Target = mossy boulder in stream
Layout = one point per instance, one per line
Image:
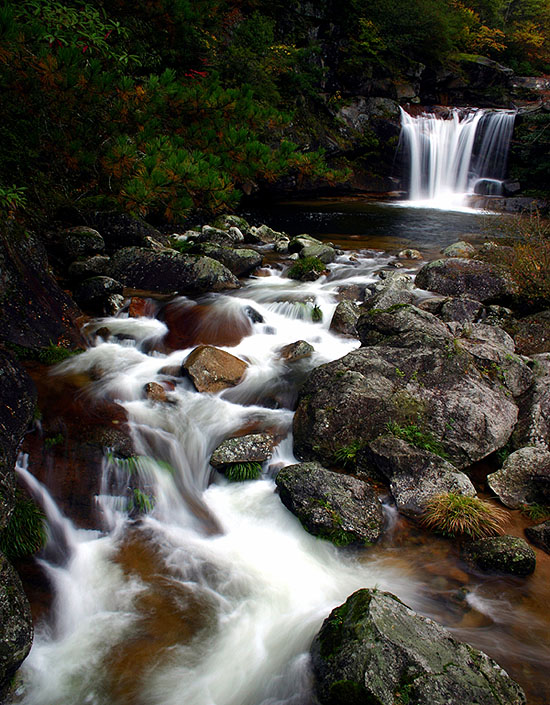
(342, 509)
(374, 650)
(456, 276)
(501, 554)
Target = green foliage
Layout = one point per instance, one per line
(306, 266)
(535, 512)
(416, 436)
(347, 455)
(240, 472)
(182, 246)
(316, 314)
(458, 515)
(12, 198)
(52, 355)
(140, 503)
(25, 532)
(52, 441)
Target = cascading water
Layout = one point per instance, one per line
(214, 596)
(449, 156)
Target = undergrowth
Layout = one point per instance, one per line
(240, 472)
(453, 514)
(416, 436)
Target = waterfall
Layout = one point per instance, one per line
(450, 157)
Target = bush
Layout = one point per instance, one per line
(458, 515)
(25, 532)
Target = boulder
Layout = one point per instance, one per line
(344, 319)
(298, 243)
(524, 478)
(231, 236)
(336, 507)
(415, 475)
(540, 535)
(374, 650)
(255, 447)
(212, 369)
(460, 249)
(16, 629)
(458, 276)
(533, 427)
(169, 271)
(461, 309)
(155, 391)
(296, 351)
(402, 325)
(501, 554)
(120, 230)
(395, 289)
(264, 235)
(80, 242)
(95, 266)
(239, 261)
(409, 253)
(325, 253)
(228, 220)
(101, 296)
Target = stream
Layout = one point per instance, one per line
(214, 595)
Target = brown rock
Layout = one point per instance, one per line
(212, 369)
(155, 391)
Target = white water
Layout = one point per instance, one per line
(230, 553)
(449, 156)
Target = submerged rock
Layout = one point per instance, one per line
(457, 276)
(255, 447)
(335, 507)
(524, 478)
(374, 650)
(213, 370)
(501, 554)
(415, 475)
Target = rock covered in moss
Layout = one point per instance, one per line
(296, 351)
(501, 554)
(122, 230)
(252, 448)
(345, 317)
(456, 276)
(540, 535)
(460, 249)
(524, 478)
(394, 289)
(336, 507)
(240, 261)
(415, 475)
(374, 650)
(16, 630)
(213, 370)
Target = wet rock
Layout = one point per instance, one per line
(212, 369)
(323, 252)
(16, 629)
(344, 319)
(524, 478)
(415, 475)
(122, 230)
(169, 271)
(95, 266)
(395, 289)
(80, 242)
(298, 243)
(239, 261)
(98, 295)
(232, 236)
(540, 535)
(296, 351)
(409, 254)
(533, 427)
(255, 447)
(403, 326)
(336, 507)
(501, 554)
(460, 249)
(458, 276)
(155, 391)
(374, 649)
(265, 235)
(461, 309)
(228, 220)
(255, 316)
(532, 333)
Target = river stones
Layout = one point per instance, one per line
(540, 535)
(524, 478)
(239, 261)
(415, 475)
(212, 369)
(394, 289)
(229, 236)
(296, 351)
(457, 275)
(345, 316)
(16, 630)
(122, 230)
(335, 507)
(253, 448)
(460, 249)
(100, 295)
(501, 554)
(374, 649)
(168, 271)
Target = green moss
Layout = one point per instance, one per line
(25, 532)
(306, 266)
(52, 441)
(416, 436)
(51, 355)
(348, 692)
(140, 503)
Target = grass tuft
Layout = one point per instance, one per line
(458, 515)
(416, 436)
(240, 472)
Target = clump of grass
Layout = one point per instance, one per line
(416, 436)
(453, 514)
(240, 472)
(140, 503)
(25, 532)
(316, 314)
(347, 455)
(306, 268)
(535, 512)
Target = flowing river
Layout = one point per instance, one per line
(214, 595)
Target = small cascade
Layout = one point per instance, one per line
(452, 156)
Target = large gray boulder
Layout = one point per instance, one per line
(336, 507)
(540, 535)
(415, 475)
(374, 650)
(394, 288)
(501, 554)
(345, 317)
(524, 478)
(169, 271)
(413, 370)
(254, 447)
(457, 276)
(533, 427)
(240, 261)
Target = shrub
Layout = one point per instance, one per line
(458, 515)
(240, 472)
(25, 532)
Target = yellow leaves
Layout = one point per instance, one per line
(532, 38)
(487, 40)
